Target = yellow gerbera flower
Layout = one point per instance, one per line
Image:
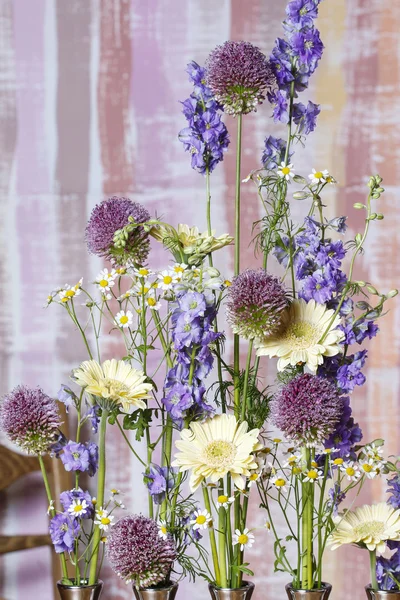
(114, 380)
(303, 336)
(216, 447)
(369, 525)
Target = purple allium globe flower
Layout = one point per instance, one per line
(256, 300)
(64, 530)
(30, 419)
(239, 76)
(307, 409)
(108, 218)
(138, 554)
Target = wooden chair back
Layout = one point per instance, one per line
(13, 467)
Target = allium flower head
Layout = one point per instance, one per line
(239, 76)
(108, 219)
(256, 300)
(137, 553)
(307, 409)
(30, 419)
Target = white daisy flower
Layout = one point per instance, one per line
(351, 470)
(115, 492)
(78, 508)
(369, 468)
(285, 171)
(312, 475)
(105, 279)
(103, 519)
(69, 292)
(253, 478)
(225, 501)
(267, 526)
(162, 530)
(167, 279)
(280, 482)
(329, 451)
(142, 272)
(245, 539)
(293, 460)
(179, 269)
(373, 451)
(202, 520)
(152, 302)
(318, 176)
(124, 319)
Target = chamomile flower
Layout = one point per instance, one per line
(224, 500)
(267, 526)
(280, 483)
(293, 460)
(77, 508)
(285, 171)
(338, 461)
(69, 292)
(201, 520)
(103, 519)
(369, 468)
(162, 530)
(142, 272)
(245, 538)
(329, 451)
(124, 319)
(105, 279)
(318, 176)
(167, 279)
(312, 475)
(179, 269)
(115, 492)
(253, 478)
(374, 452)
(351, 470)
(126, 295)
(152, 302)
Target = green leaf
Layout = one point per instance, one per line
(143, 348)
(112, 418)
(138, 421)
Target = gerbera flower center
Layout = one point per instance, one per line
(219, 454)
(370, 529)
(243, 539)
(111, 388)
(302, 334)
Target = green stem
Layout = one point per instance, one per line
(213, 543)
(246, 379)
(321, 545)
(222, 517)
(101, 477)
(75, 319)
(307, 527)
(149, 459)
(372, 562)
(129, 444)
(236, 350)
(52, 513)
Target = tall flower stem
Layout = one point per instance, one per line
(321, 545)
(222, 518)
(213, 543)
(372, 562)
(307, 582)
(101, 478)
(236, 350)
(246, 380)
(52, 513)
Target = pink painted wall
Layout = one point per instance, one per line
(89, 107)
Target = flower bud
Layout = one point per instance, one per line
(392, 293)
(299, 179)
(380, 217)
(359, 205)
(372, 290)
(360, 283)
(301, 195)
(359, 238)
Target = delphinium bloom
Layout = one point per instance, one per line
(108, 220)
(256, 300)
(388, 571)
(346, 435)
(216, 447)
(192, 334)
(307, 409)
(30, 419)
(64, 531)
(138, 554)
(206, 137)
(394, 491)
(160, 480)
(240, 76)
(115, 383)
(80, 457)
(308, 334)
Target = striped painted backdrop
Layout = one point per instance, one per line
(89, 93)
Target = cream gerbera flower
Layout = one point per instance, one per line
(369, 525)
(301, 337)
(216, 447)
(114, 380)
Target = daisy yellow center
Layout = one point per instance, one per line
(338, 461)
(312, 474)
(124, 320)
(374, 529)
(253, 477)
(296, 470)
(167, 279)
(143, 272)
(114, 491)
(350, 471)
(105, 521)
(103, 283)
(222, 499)
(277, 440)
(280, 482)
(367, 468)
(178, 269)
(163, 529)
(151, 301)
(318, 175)
(227, 283)
(78, 508)
(314, 464)
(292, 460)
(302, 334)
(201, 519)
(243, 539)
(111, 388)
(285, 170)
(145, 289)
(70, 293)
(219, 454)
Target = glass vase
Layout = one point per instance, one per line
(81, 592)
(381, 594)
(164, 593)
(243, 593)
(320, 594)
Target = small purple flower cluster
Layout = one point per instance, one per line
(385, 568)
(394, 491)
(206, 138)
(192, 334)
(293, 61)
(346, 434)
(345, 371)
(65, 528)
(335, 498)
(80, 457)
(159, 481)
